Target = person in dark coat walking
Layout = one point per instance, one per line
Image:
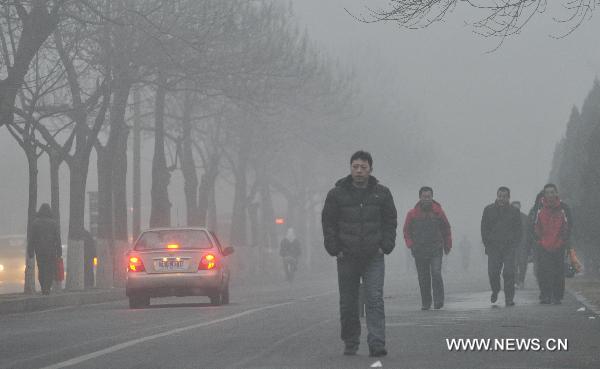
(359, 226)
(501, 232)
(523, 252)
(552, 228)
(44, 243)
(427, 235)
(290, 253)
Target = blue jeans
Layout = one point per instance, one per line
(372, 271)
(429, 270)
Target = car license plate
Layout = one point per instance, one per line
(169, 264)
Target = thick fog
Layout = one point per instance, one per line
(439, 106)
(492, 118)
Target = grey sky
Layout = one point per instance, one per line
(494, 117)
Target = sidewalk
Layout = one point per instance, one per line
(22, 303)
(586, 290)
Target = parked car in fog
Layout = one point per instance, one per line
(177, 262)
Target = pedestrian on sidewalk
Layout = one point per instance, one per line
(359, 226)
(501, 232)
(428, 236)
(523, 251)
(553, 225)
(44, 243)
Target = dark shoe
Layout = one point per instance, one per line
(439, 305)
(350, 350)
(510, 303)
(494, 297)
(425, 307)
(544, 301)
(377, 351)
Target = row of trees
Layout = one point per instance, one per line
(576, 171)
(232, 88)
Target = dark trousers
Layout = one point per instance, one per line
(521, 264)
(551, 274)
(46, 271)
(372, 271)
(429, 271)
(502, 259)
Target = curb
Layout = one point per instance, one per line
(24, 303)
(583, 300)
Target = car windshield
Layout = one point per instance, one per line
(180, 239)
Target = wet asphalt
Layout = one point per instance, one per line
(272, 324)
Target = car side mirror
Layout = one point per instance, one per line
(227, 251)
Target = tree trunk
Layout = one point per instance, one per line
(160, 215)
(212, 221)
(78, 179)
(207, 188)
(119, 181)
(29, 287)
(137, 168)
(188, 166)
(55, 162)
(268, 216)
(104, 243)
(238, 216)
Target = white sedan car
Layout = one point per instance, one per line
(177, 262)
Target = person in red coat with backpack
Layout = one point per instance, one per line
(427, 235)
(552, 229)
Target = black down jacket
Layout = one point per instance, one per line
(359, 221)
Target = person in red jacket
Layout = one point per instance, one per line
(427, 234)
(552, 229)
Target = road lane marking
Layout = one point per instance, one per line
(124, 345)
(273, 346)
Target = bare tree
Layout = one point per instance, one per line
(498, 18)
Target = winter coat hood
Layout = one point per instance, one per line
(45, 211)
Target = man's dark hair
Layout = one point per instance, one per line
(503, 189)
(425, 189)
(362, 155)
(550, 185)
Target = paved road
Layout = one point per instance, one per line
(278, 326)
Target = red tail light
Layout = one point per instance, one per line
(135, 264)
(208, 261)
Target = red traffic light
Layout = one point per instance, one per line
(279, 221)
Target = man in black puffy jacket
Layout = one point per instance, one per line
(501, 232)
(359, 226)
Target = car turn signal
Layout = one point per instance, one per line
(135, 264)
(208, 262)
